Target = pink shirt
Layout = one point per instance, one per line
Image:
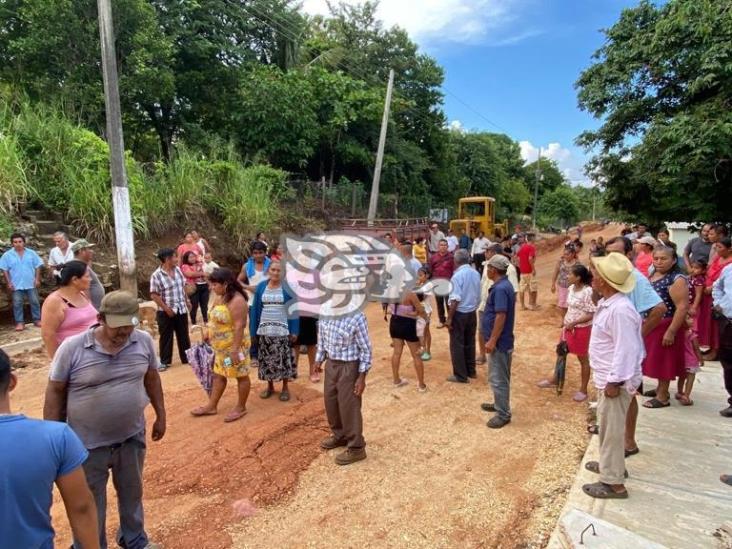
(616, 344)
(643, 262)
(76, 320)
(579, 303)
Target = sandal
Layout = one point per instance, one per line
(579, 396)
(593, 429)
(727, 479)
(685, 401)
(679, 396)
(201, 411)
(545, 384)
(632, 452)
(285, 396)
(233, 416)
(594, 467)
(422, 389)
(402, 383)
(650, 393)
(600, 490)
(655, 403)
(266, 393)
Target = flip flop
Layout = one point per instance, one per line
(201, 411)
(284, 396)
(727, 479)
(579, 396)
(649, 393)
(233, 416)
(402, 383)
(686, 401)
(594, 467)
(655, 403)
(593, 429)
(545, 384)
(600, 490)
(679, 396)
(632, 452)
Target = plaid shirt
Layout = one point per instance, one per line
(345, 338)
(171, 289)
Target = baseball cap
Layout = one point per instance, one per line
(120, 309)
(499, 262)
(80, 245)
(647, 240)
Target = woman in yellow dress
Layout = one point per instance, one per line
(229, 338)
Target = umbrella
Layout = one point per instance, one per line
(561, 365)
(201, 358)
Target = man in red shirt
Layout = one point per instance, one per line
(442, 265)
(527, 267)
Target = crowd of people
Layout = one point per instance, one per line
(622, 316)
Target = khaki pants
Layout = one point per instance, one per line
(611, 412)
(342, 407)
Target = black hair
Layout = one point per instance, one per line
(627, 244)
(258, 246)
(165, 253)
(725, 241)
(5, 370)
(260, 233)
(674, 256)
(583, 273)
(720, 228)
(701, 262)
(578, 244)
(419, 240)
(443, 240)
(425, 270)
(231, 284)
(17, 235)
(184, 259)
(72, 269)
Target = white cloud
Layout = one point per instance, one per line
(456, 126)
(569, 163)
(462, 21)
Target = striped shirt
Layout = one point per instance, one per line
(345, 338)
(170, 289)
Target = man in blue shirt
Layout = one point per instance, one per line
(461, 319)
(498, 320)
(34, 455)
(722, 296)
(22, 269)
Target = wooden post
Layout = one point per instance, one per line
(124, 235)
(374, 201)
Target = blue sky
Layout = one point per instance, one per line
(513, 61)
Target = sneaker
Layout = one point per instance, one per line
(488, 407)
(350, 456)
(497, 422)
(455, 379)
(426, 356)
(727, 412)
(331, 442)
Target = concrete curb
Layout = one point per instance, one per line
(23, 346)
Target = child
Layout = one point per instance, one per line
(697, 281)
(275, 254)
(419, 250)
(423, 326)
(693, 361)
(209, 264)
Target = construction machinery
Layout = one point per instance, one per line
(476, 214)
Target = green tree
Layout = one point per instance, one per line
(662, 86)
(559, 206)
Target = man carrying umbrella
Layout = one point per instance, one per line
(498, 320)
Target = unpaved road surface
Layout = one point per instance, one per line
(436, 476)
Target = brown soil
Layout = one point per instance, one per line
(435, 475)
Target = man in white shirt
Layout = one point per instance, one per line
(616, 353)
(452, 241)
(480, 245)
(60, 254)
(434, 239)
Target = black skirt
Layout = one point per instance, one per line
(308, 331)
(402, 327)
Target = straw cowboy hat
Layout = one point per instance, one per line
(616, 270)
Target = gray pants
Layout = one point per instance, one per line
(611, 413)
(499, 377)
(126, 461)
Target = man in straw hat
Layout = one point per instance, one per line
(616, 352)
(100, 383)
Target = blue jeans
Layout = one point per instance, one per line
(18, 301)
(500, 380)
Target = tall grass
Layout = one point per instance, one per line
(14, 185)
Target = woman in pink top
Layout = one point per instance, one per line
(189, 245)
(67, 311)
(644, 254)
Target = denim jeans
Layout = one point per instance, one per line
(500, 380)
(18, 301)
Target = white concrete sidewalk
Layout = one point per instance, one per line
(676, 497)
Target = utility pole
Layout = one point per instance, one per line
(374, 201)
(536, 189)
(124, 235)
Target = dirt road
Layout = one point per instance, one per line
(436, 476)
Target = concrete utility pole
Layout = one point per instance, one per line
(120, 193)
(536, 189)
(374, 201)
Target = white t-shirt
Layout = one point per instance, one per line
(57, 257)
(452, 243)
(480, 245)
